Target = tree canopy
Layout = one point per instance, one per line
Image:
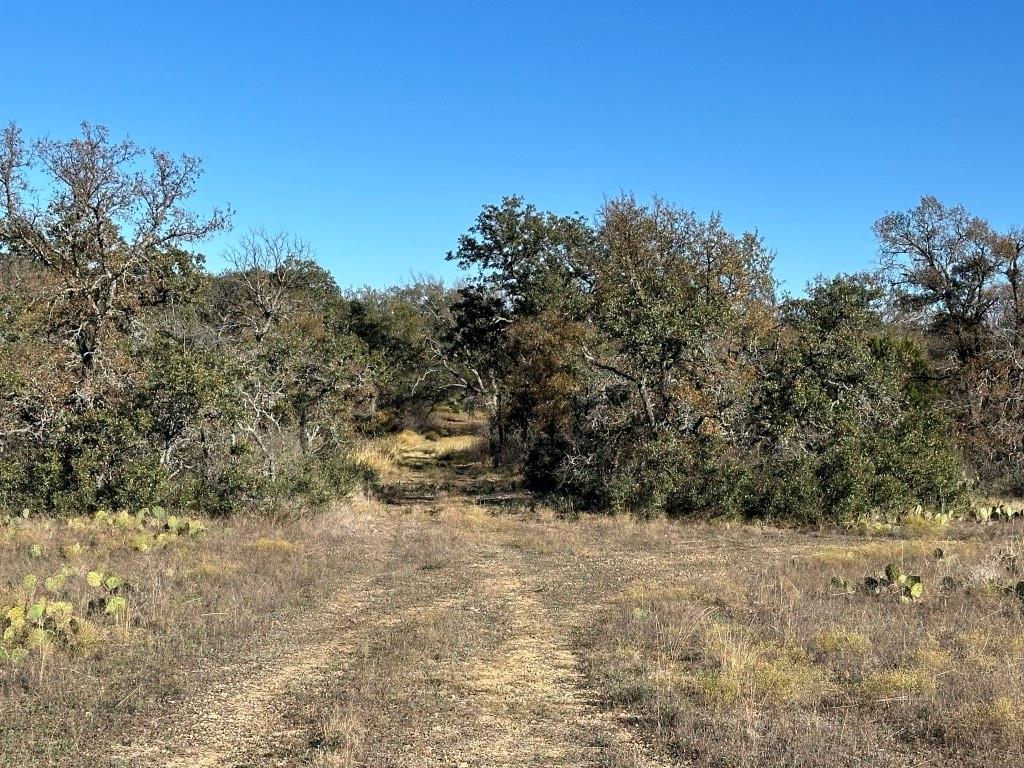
(638, 359)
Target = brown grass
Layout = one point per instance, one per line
(189, 605)
(394, 456)
(758, 660)
(522, 638)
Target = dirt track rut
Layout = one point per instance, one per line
(519, 702)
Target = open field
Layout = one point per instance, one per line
(445, 632)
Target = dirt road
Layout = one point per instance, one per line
(456, 646)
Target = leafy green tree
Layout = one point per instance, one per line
(405, 331)
(525, 268)
(93, 254)
(678, 309)
(610, 341)
(107, 236)
(848, 421)
(945, 267)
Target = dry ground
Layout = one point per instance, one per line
(440, 632)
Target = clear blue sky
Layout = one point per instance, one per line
(376, 130)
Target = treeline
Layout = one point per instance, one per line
(130, 375)
(641, 359)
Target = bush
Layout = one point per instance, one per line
(317, 481)
(679, 476)
(852, 428)
(841, 424)
(92, 459)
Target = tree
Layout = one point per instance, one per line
(405, 331)
(945, 266)
(680, 310)
(846, 420)
(608, 341)
(679, 302)
(525, 268)
(957, 281)
(299, 369)
(107, 235)
(91, 256)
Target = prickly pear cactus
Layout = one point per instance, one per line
(894, 574)
(912, 587)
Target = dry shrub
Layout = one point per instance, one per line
(378, 455)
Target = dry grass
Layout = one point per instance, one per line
(188, 604)
(723, 646)
(394, 456)
(462, 636)
(757, 659)
(379, 455)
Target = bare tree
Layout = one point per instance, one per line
(296, 365)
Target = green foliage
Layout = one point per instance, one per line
(131, 375)
(56, 582)
(61, 473)
(849, 429)
(841, 585)
(639, 360)
(912, 587)
(116, 606)
(1001, 512)
(681, 475)
(401, 331)
(638, 366)
(318, 481)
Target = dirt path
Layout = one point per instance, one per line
(454, 647)
(525, 704)
(515, 700)
(237, 721)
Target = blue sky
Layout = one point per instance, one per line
(377, 130)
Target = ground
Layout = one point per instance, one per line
(442, 619)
